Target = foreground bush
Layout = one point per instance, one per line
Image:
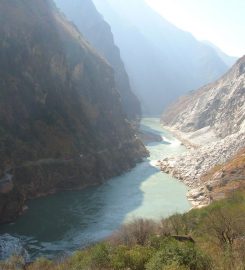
(183, 255)
(15, 262)
(137, 232)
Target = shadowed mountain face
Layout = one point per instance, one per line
(61, 122)
(162, 61)
(93, 27)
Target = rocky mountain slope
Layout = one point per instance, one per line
(61, 122)
(163, 62)
(224, 179)
(218, 107)
(98, 32)
(212, 119)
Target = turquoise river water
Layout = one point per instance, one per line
(66, 221)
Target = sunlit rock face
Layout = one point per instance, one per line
(212, 118)
(98, 32)
(162, 61)
(219, 106)
(61, 121)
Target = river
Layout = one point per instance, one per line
(69, 220)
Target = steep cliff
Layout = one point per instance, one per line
(162, 61)
(61, 122)
(213, 120)
(217, 107)
(91, 24)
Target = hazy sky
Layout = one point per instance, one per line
(220, 21)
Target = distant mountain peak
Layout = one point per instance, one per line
(228, 59)
(162, 61)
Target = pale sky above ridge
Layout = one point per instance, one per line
(221, 22)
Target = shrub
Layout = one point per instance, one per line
(139, 256)
(13, 263)
(96, 257)
(137, 232)
(42, 264)
(174, 266)
(182, 254)
(224, 226)
(100, 255)
(120, 259)
(176, 224)
(133, 258)
(80, 260)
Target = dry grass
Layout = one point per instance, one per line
(137, 232)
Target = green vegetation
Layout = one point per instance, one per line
(202, 239)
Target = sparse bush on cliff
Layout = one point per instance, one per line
(137, 232)
(176, 224)
(42, 263)
(14, 263)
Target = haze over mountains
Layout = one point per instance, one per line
(66, 95)
(65, 91)
(162, 61)
(81, 84)
(227, 59)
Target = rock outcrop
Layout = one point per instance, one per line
(191, 166)
(219, 106)
(91, 24)
(213, 120)
(61, 121)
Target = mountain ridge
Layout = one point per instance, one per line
(90, 23)
(163, 62)
(62, 124)
(211, 105)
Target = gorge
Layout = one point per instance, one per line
(80, 218)
(114, 119)
(62, 124)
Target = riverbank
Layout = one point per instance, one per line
(81, 218)
(205, 151)
(173, 243)
(149, 137)
(181, 137)
(42, 177)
